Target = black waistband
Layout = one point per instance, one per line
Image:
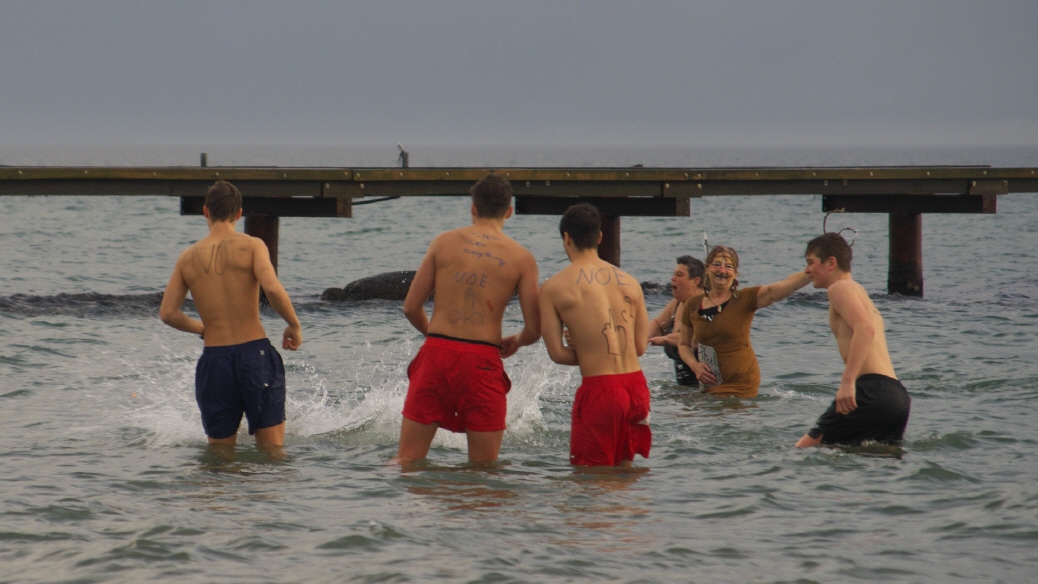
(439, 336)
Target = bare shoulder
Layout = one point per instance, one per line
(557, 282)
(845, 293)
(447, 239)
(629, 283)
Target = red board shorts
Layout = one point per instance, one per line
(458, 384)
(610, 420)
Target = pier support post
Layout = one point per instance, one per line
(609, 248)
(265, 227)
(905, 271)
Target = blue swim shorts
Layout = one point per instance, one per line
(231, 380)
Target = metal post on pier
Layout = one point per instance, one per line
(609, 247)
(905, 271)
(265, 227)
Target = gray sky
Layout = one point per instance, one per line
(535, 73)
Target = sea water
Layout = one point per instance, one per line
(106, 475)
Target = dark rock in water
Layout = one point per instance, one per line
(86, 304)
(387, 286)
(335, 294)
(655, 288)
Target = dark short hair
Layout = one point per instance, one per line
(223, 200)
(695, 267)
(722, 250)
(831, 245)
(492, 196)
(583, 223)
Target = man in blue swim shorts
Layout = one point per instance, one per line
(871, 404)
(239, 371)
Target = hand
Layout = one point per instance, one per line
(509, 345)
(291, 338)
(703, 374)
(658, 341)
(846, 401)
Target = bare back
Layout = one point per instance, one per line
(848, 301)
(604, 309)
(222, 274)
(474, 273)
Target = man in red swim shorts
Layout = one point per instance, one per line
(603, 308)
(457, 380)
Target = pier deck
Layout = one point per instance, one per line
(905, 193)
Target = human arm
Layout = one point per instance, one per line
(263, 269)
(845, 302)
(807, 441)
(529, 304)
(421, 288)
(172, 299)
(701, 370)
(768, 295)
(661, 323)
(551, 329)
(641, 327)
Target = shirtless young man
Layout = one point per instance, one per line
(239, 371)
(457, 380)
(603, 308)
(665, 329)
(871, 404)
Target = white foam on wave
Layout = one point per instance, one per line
(366, 396)
(358, 395)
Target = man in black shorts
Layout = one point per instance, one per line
(239, 371)
(871, 404)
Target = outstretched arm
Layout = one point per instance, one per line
(551, 328)
(660, 323)
(292, 337)
(846, 303)
(529, 304)
(767, 295)
(172, 299)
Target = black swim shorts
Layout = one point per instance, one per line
(881, 415)
(248, 378)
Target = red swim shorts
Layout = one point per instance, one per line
(460, 385)
(610, 420)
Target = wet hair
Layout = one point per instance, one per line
(223, 201)
(695, 268)
(715, 252)
(492, 196)
(583, 223)
(831, 245)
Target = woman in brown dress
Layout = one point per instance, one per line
(719, 320)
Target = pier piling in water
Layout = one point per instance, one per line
(905, 193)
(265, 227)
(905, 270)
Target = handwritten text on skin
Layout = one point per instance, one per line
(472, 279)
(475, 242)
(602, 276)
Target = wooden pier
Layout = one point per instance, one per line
(904, 193)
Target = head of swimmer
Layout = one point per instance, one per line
(828, 257)
(222, 203)
(687, 278)
(722, 268)
(492, 198)
(580, 228)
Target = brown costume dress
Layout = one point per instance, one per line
(729, 334)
